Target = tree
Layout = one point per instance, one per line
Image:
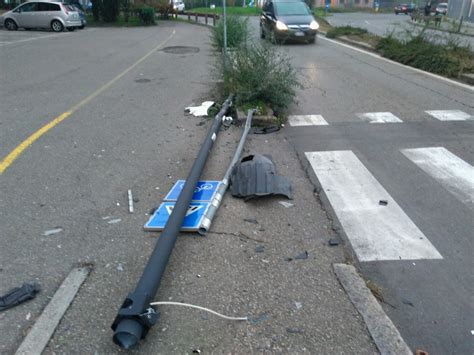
(110, 10)
(96, 9)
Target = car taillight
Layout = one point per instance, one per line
(65, 9)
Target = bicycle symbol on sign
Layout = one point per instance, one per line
(199, 188)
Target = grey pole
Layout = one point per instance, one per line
(225, 33)
(136, 316)
(224, 184)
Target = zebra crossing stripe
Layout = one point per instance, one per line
(456, 175)
(376, 231)
(379, 117)
(450, 115)
(307, 120)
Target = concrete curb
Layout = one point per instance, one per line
(361, 45)
(44, 328)
(385, 334)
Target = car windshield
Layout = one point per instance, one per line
(291, 8)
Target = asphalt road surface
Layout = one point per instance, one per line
(392, 152)
(400, 188)
(104, 112)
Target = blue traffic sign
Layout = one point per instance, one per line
(192, 220)
(204, 191)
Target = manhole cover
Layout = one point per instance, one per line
(180, 50)
(142, 80)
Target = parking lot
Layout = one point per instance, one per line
(21, 36)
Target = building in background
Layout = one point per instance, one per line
(461, 8)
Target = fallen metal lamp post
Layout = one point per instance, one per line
(224, 184)
(136, 316)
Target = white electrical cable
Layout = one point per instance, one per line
(198, 307)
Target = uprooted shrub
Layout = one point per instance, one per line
(237, 32)
(420, 53)
(256, 73)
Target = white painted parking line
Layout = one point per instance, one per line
(376, 231)
(450, 115)
(39, 37)
(307, 120)
(379, 117)
(456, 175)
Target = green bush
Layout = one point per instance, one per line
(125, 8)
(237, 32)
(260, 73)
(345, 31)
(146, 15)
(110, 10)
(420, 53)
(163, 7)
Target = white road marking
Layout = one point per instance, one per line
(376, 232)
(450, 115)
(456, 175)
(452, 82)
(41, 37)
(307, 120)
(34, 39)
(379, 117)
(44, 327)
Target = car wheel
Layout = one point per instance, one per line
(312, 40)
(70, 29)
(57, 26)
(10, 25)
(81, 27)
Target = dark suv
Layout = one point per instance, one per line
(405, 9)
(282, 20)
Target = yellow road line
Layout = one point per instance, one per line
(15, 153)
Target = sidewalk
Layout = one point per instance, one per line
(296, 306)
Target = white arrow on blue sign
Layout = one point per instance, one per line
(191, 222)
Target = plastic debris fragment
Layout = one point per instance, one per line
(53, 231)
(19, 295)
(199, 111)
(255, 176)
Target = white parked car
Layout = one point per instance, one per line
(442, 8)
(42, 14)
(178, 5)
